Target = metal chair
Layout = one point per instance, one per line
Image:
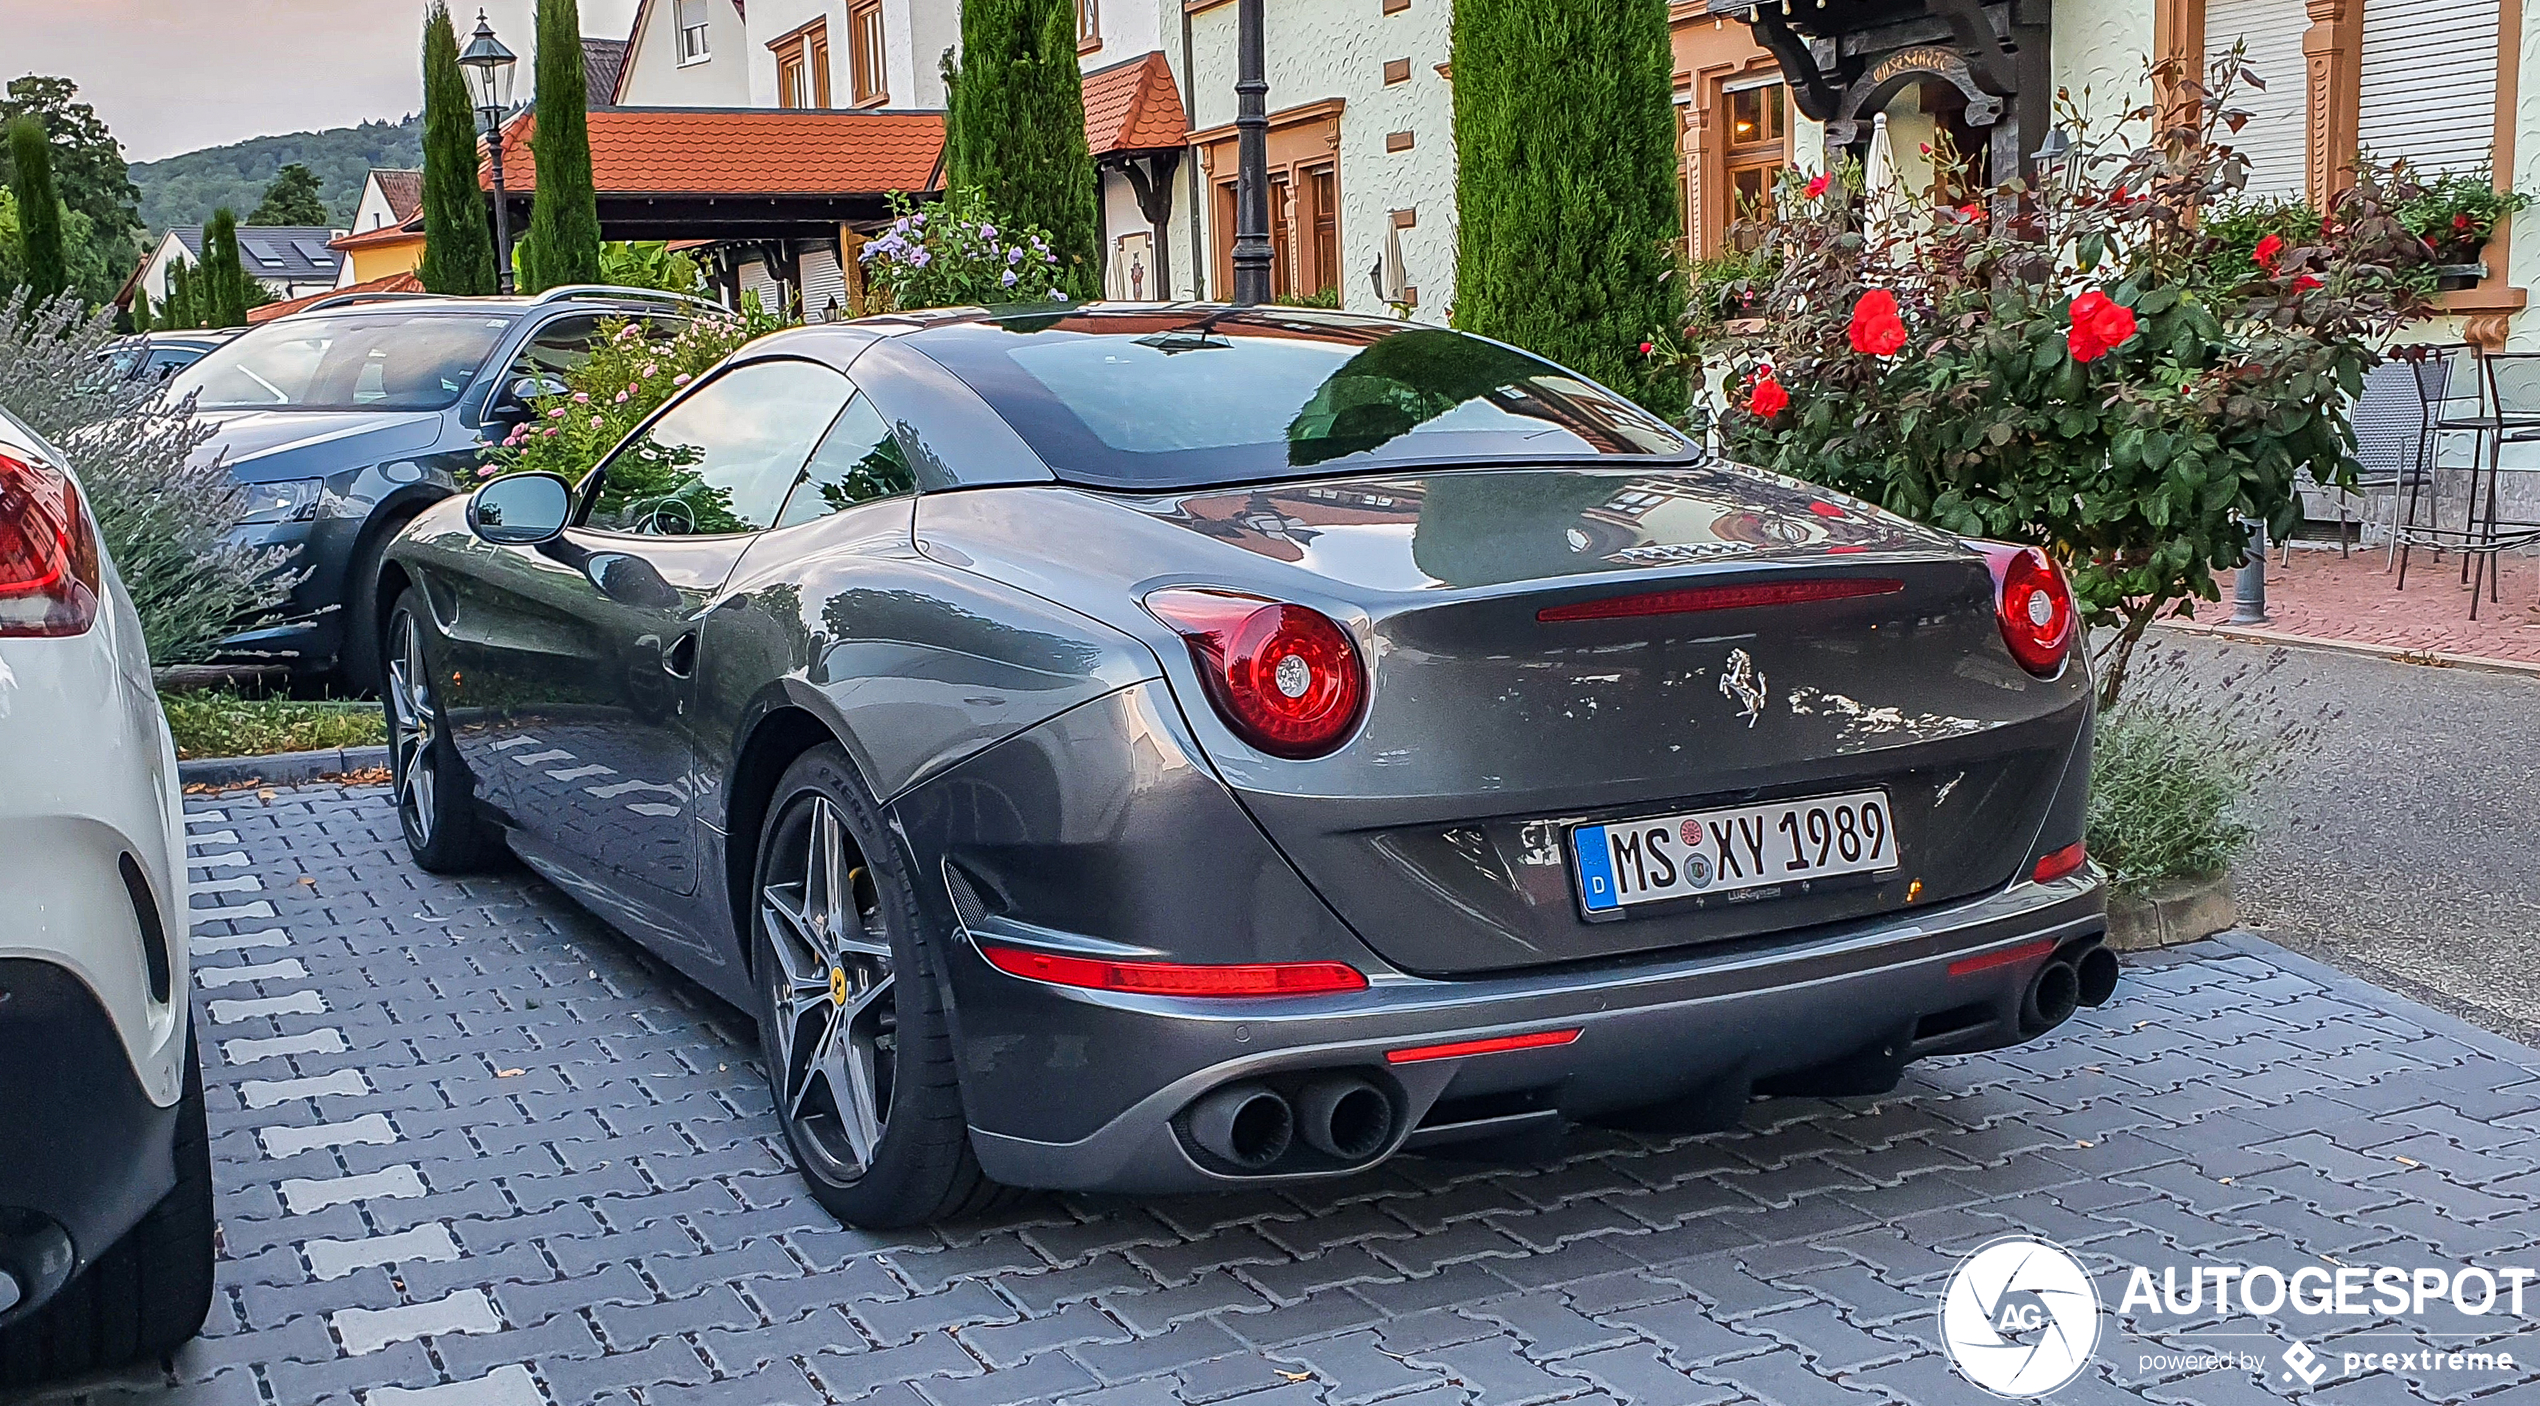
(2513, 402)
(2452, 397)
(2389, 421)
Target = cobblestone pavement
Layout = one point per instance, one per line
(2322, 595)
(472, 1150)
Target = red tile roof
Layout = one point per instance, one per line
(1133, 106)
(404, 190)
(374, 238)
(393, 283)
(742, 151)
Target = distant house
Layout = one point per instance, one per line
(602, 60)
(388, 283)
(289, 260)
(387, 233)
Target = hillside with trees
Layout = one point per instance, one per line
(184, 190)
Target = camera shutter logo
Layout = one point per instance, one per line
(2019, 1317)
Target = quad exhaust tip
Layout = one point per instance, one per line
(2097, 972)
(1346, 1118)
(1247, 1124)
(2070, 980)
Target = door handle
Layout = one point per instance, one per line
(680, 659)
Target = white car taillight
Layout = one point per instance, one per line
(49, 581)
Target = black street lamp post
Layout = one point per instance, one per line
(1252, 160)
(489, 78)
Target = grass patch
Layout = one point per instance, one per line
(225, 723)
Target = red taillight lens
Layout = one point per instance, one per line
(2033, 604)
(1175, 978)
(1699, 598)
(48, 552)
(1541, 1039)
(1284, 677)
(2063, 861)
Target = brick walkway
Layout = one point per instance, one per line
(2323, 596)
(472, 1150)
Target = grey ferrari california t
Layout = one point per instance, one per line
(1156, 748)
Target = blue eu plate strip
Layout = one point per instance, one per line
(1596, 869)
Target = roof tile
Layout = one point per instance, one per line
(1133, 106)
(742, 151)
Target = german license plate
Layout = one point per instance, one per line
(1625, 863)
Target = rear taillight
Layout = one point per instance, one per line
(1177, 978)
(2033, 604)
(48, 552)
(1284, 677)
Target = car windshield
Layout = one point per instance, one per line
(370, 360)
(1174, 401)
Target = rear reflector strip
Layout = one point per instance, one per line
(2060, 863)
(2008, 956)
(1698, 598)
(1177, 979)
(1495, 1045)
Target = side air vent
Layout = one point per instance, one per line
(154, 936)
(967, 904)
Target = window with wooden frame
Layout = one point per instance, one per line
(802, 66)
(1088, 26)
(864, 53)
(1755, 146)
(690, 16)
(1305, 202)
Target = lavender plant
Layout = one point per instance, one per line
(957, 253)
(163, 507)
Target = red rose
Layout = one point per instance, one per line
(1644, 348)
(1876, 328)
(2460, 222)
(2100, 325)
(2268, 249)
(2118, 196)
(1815, 188)
(1971, 211)
(1766, 398)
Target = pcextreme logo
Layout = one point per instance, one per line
(2019, 1317)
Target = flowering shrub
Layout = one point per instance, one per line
(957, 253)
(2457, 211)
(639, 364)
(2074, 365)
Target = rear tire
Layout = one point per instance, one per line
(434, 791)
(149, 1292)
(851, 1020)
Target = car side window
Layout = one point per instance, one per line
(858, 461)
(722, 459)
(557, 349)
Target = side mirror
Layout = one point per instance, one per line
(522, 510)
(525, 389)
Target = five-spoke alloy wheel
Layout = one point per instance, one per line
(436, 798)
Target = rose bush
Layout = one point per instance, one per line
(2071, 364)
(639, 364)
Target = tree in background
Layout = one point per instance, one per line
(176, 190)
(458, 245)
(223, 282)
(140, 317)
(45, 264)
(91, 178)
(292, 199)
(563, 245)
(179, 310)
(1014, 129)
(1565, 145)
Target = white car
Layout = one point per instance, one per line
(105, 1172)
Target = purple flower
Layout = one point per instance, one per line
(918, 219)
(987, 231)
(1057, 296)
(920, 259)
(1013, 257)
(1008, 279)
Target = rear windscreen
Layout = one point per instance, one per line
(1177, 401)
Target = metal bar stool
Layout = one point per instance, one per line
(2452, 392)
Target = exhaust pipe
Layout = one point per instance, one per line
(1347, 1118)
(1248, 1125)
(2097, 971)
(2052, 995)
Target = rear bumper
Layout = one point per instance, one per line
(100, 1154)
(1696, 1029)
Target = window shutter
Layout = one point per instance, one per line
(2429, 89)
(823, 281)
(2276, 137)
(756, 279)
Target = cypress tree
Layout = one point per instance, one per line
(48, 269)
(224, 282)
(458, 242)
(564, 223)
(1565, 184)
(179, 310)
(139, 312)
(1015, 126)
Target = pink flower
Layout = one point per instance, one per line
(549, 432)
(556, 414)
(486, 472)
(581, 397)
(651, 369)
(631, 388)
(597, 421)
(619, 399)
(681, 379)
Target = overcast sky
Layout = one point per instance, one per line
(176, 75)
